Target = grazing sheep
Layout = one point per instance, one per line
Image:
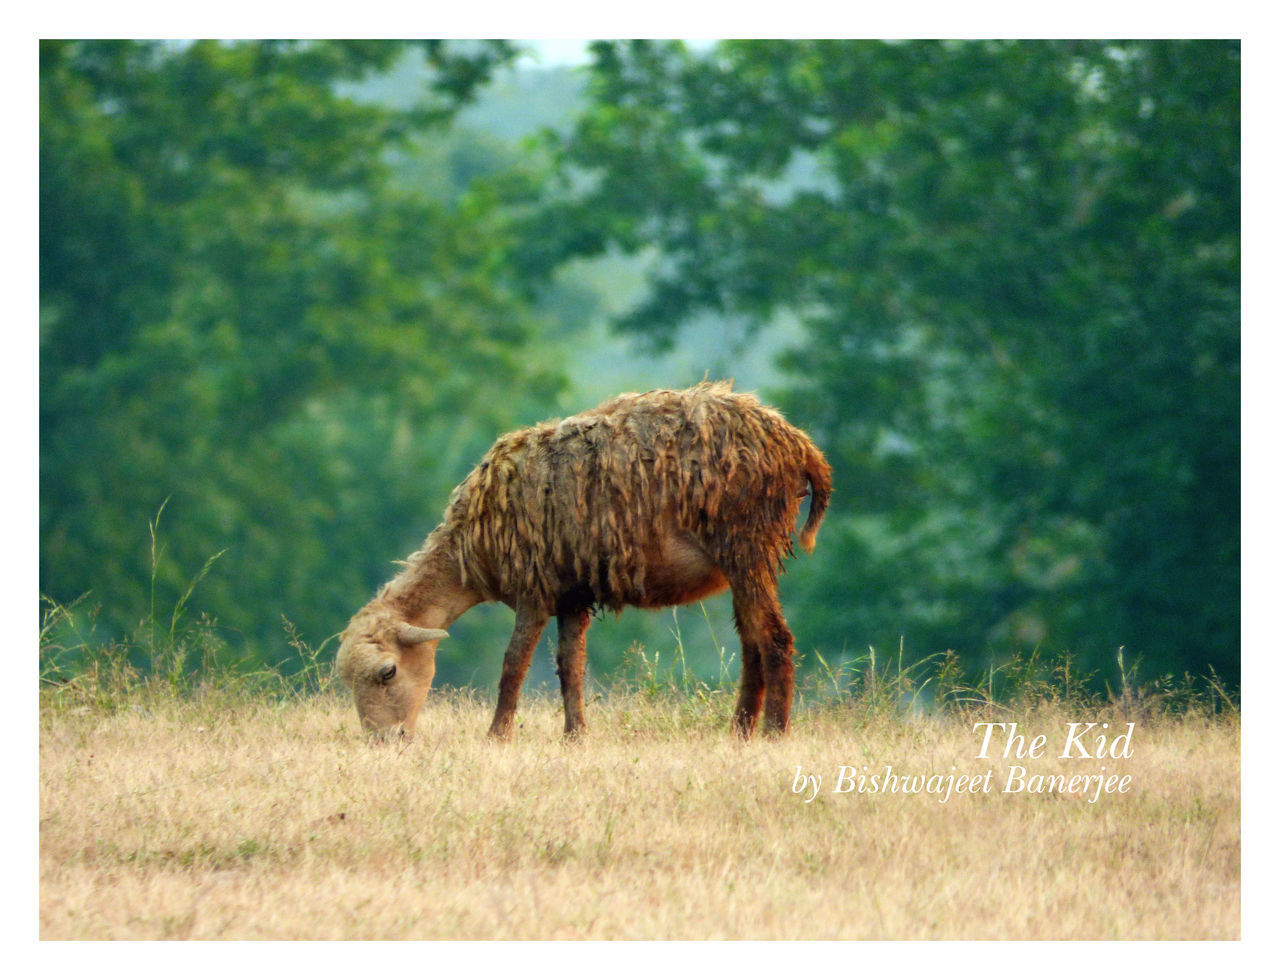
(648, 500)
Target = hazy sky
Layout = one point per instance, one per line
(558, 52)
(574, 52)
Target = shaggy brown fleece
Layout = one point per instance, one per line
(579, 503)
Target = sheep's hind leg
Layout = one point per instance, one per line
(571, 661)
(515, 665)
(750, 691)
(779, 674)
(768, 652)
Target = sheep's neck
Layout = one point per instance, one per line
(429, 591)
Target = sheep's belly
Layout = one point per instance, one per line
(681, 571)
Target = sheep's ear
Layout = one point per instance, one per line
(409, 635)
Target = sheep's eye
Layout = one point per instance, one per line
(387, 672)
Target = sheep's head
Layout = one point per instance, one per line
(388, 664)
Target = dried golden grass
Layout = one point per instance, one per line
(262, 819)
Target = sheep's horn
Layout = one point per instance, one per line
(409, 635)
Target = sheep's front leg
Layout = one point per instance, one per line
(515, 665)
(571, 662)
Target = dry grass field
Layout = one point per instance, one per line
(206, 818)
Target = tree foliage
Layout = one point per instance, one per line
(245, 311)
(298, 305)
(1018, 269)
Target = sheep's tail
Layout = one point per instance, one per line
(818, 472)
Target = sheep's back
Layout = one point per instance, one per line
(579, 502)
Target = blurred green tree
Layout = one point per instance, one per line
(1018, 268)
(244, 310)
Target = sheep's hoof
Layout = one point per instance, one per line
(384, 736)
(500, 732)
